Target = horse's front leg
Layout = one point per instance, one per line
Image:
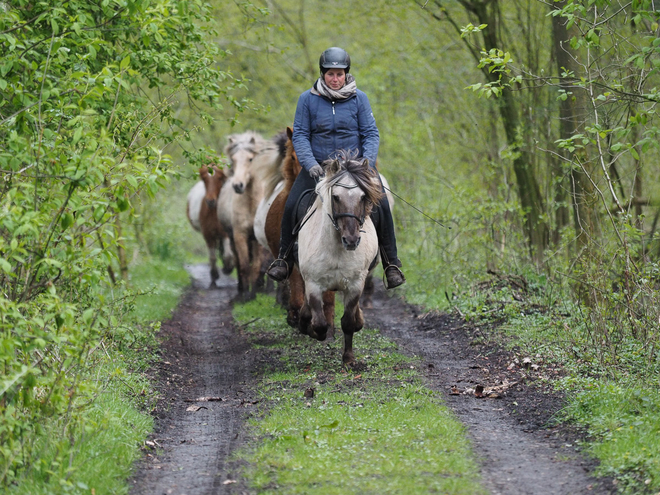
(315, 325)
(329, 312)
(352, 321)
(211, 244)
(255, 257)
(296, 300)
(227, 255)
(242, 251)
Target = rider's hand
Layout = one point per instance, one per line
(316, 172)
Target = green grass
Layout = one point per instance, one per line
(624, 423)
(162, 282)
(101, 453)
(377, 430)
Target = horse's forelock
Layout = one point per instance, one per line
(249, 141)
(362, 174)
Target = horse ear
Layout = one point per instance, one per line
(331, 167)
(289, 132)
(365, 162)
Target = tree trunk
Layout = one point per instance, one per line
(536, 228)
(572, 115)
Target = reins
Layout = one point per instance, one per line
(417, 209)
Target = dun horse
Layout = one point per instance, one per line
(201, 210)
(250, 154)
(337, 244)
(267, 227)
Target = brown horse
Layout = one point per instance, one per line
(201, 209)
(268, 224)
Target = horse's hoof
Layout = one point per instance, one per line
(293, 321)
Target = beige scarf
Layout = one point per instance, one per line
(346, 91)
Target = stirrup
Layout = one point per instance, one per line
(396, 283)
(280, 263)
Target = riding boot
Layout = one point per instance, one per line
(394, 277)
(280, 269)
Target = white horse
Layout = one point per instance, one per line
(336, 245)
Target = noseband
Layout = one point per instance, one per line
(336, 216)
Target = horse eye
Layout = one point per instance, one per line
(335, 197)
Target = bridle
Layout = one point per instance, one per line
(336, 216)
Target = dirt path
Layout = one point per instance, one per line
(205, 356)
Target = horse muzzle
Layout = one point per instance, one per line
(239, 187)
(350, 243)
(211, 203)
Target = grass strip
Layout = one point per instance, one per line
(376, 430)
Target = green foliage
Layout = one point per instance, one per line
(622, 419)
(86, 109)
(369, 432)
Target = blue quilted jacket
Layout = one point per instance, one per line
(321, 127)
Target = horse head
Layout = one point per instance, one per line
(349, 191)
(291, 167)
(213, 178)
(241, 150)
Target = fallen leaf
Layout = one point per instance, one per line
(479, 391)
(357, 377)
(455, 391)
(228, 482)
(309, 393)
(195, 408)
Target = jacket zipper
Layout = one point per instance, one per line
(334, 138)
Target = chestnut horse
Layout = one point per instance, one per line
(337, 245)
(201, 209)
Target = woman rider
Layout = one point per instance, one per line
(334, 115)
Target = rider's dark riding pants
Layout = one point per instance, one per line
(384, 227)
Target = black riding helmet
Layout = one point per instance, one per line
(334, 58)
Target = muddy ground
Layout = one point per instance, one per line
(208, 372)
